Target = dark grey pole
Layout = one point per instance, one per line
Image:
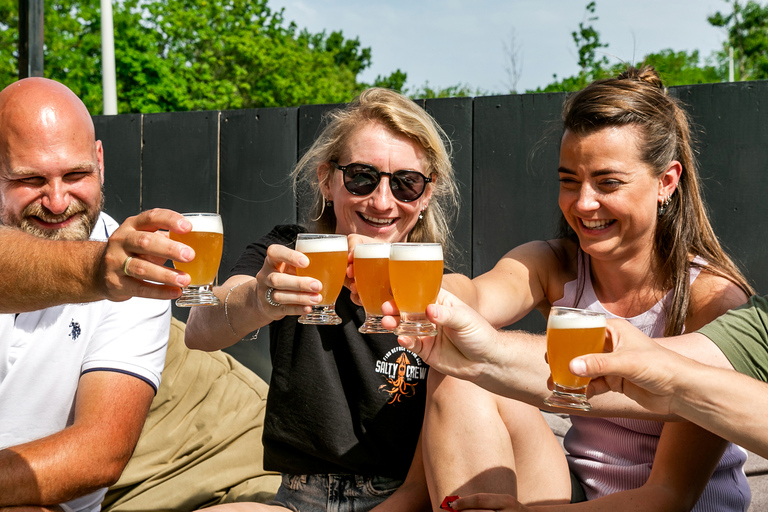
(31, 38)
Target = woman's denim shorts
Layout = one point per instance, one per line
(333, 493)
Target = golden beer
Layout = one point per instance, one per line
(415, 284)
(566, 344)
(415, 274)
(328, 256)
(372, 276)
(208, 248)
(372, 279)
(207, 239)
(329, 268)
(571, 333)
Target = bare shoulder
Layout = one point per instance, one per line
(711, 296)
(552, 262)
(536, 271)
(547, 255)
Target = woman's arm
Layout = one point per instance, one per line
(526, 277)
(244, 307)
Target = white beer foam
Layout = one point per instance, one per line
(576, 321)
(205, 223)
(416, 252)
(325, 244)
(370, 251)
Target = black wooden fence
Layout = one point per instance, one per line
(505, 154)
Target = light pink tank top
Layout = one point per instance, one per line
(608, 455)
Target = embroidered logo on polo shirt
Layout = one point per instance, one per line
(74, 332)
(403, 370)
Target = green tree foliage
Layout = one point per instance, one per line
(175, 55)
(680, 68)
(588, 42)
(747, 29)
(453, 91)
(72, 41)
(675, 68)
(395, 81)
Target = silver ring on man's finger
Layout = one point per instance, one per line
(269, 298)
(125, 266)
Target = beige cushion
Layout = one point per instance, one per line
(201, 443)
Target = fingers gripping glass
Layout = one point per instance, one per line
(361, 180)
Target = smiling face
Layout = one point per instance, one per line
(608, 195)
(377, 215)
(50, 165)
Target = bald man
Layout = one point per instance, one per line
(37, 273)
(76, 380)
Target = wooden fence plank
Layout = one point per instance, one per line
(311, 122)
(455, 117)
(121, 139)
(180, 161)
(515, 187)
(258, 151)
(180, 165)
(733, 143)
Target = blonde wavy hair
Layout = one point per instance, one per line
(401, 116)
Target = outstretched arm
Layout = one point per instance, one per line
(244, 307)
(508, 363)
(37, 273)
(109, 414)
(723, 401)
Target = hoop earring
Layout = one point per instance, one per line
(664, 204)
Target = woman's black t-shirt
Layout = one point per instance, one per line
(339, 401)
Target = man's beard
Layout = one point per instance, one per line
(77, 230)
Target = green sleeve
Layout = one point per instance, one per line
(742, 335)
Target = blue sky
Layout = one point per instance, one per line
(449, 42)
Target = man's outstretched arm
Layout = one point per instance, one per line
(37, 273)
(728, 403)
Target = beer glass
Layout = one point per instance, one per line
(415, 274)
(207, 239)
(372, 280)
(571, 333)
(328, 256)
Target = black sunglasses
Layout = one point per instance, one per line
(362, 179)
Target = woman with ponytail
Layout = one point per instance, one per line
(636, 244)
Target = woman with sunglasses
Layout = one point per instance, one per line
(380, 170)
(636, 244)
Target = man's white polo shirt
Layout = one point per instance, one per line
(43, 354)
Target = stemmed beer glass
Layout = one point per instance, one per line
(571, 333)
(328, 256)
(415, 273)
(207, 239)
(372, 280)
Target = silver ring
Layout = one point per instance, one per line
(125, 266)
(269, 298)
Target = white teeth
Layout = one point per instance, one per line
(374, 220)
(596, 224)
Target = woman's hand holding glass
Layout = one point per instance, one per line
(278, 282)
